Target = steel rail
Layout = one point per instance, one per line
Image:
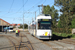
(29, 42)
(47, 44)
(25, 42)
(24, 46)
(68, 42)
(12, 42)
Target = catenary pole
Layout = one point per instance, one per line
(23, 15)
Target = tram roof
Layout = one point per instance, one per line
(44, 16)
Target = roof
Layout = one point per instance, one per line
(5, 21)
(18, 24)
(15, 24)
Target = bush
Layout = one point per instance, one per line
(62, 30)
(73, 35)
(64, 35)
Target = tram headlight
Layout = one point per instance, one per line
(50, 34)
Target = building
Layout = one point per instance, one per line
(3, 24)
(13, 25)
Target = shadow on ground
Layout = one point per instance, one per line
(55, 37)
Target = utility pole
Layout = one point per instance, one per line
(32, 19)
(35, 15)
(39, 8)
(28, 25)
(42, 8)
(23, 22)
(23, 15)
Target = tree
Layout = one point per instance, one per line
(59, 24)
(47, 9)
(68, 10)
(53, 12)
(73, 22)
(25, 26)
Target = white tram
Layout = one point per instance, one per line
(41, 28)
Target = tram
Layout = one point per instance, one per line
(41, 28)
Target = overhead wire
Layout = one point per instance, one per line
(11, 6)
(18, 10)
(44, 1)
(37, 9)
(36, 4)
(23, 5)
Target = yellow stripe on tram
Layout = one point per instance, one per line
(46, 33)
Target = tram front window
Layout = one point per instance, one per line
(44, 25)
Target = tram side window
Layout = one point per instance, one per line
(29, 27)
(33, 27)
(38, 26)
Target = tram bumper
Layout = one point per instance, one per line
(44, 37)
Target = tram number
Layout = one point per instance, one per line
(46, 33)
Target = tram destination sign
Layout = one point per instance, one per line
(45, 19)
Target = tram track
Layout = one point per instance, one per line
(47, 44)
(55, 42)
(15, 45)
(67, 41)
(27, 44)
(38, 43)
(18, 43)
(57, 45)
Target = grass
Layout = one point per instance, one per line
(64, 35)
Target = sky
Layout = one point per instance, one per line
(12, 10)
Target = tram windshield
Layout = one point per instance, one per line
(44, 24)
